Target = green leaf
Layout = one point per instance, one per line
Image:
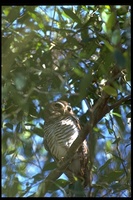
(18, 127)
(10, 152)
(108, 145)
(105, 16)
(62, 182)
(113, 176)
(50, 166)
(116, 114)
(119, 58)
(71, 14)
(122, 10)
(119, 187)
(38, 131)
(110, 90)
(111, 21)
(128, 115)
(25, 135)
(78, 72)
(77, 189)
(116, 141)
(59, 184)
(116, 37)
(7, 10)
(117, 157)
(9, 125)
(119, 121)
(107, 44)
(106, 164)
(85, 82)
(63, 53)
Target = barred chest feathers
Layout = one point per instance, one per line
(61, 129)
(60, 135)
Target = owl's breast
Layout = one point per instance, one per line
(60, 135)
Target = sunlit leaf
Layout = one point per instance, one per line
(108, 145)
(105, 16)
(116, 114)
(25, 135)
(7, 10)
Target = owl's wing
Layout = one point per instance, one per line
(84, 157)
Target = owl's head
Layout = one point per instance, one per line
(60, 108)
(57, 109)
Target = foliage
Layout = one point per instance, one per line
(75, 53)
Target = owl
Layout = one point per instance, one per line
(61, 129)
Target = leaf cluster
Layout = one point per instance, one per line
(76, 53)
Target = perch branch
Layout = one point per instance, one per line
(99, 110)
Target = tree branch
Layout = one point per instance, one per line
(119, 102)
(99, 110)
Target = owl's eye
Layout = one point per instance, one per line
(58, 105)
(69, 108)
